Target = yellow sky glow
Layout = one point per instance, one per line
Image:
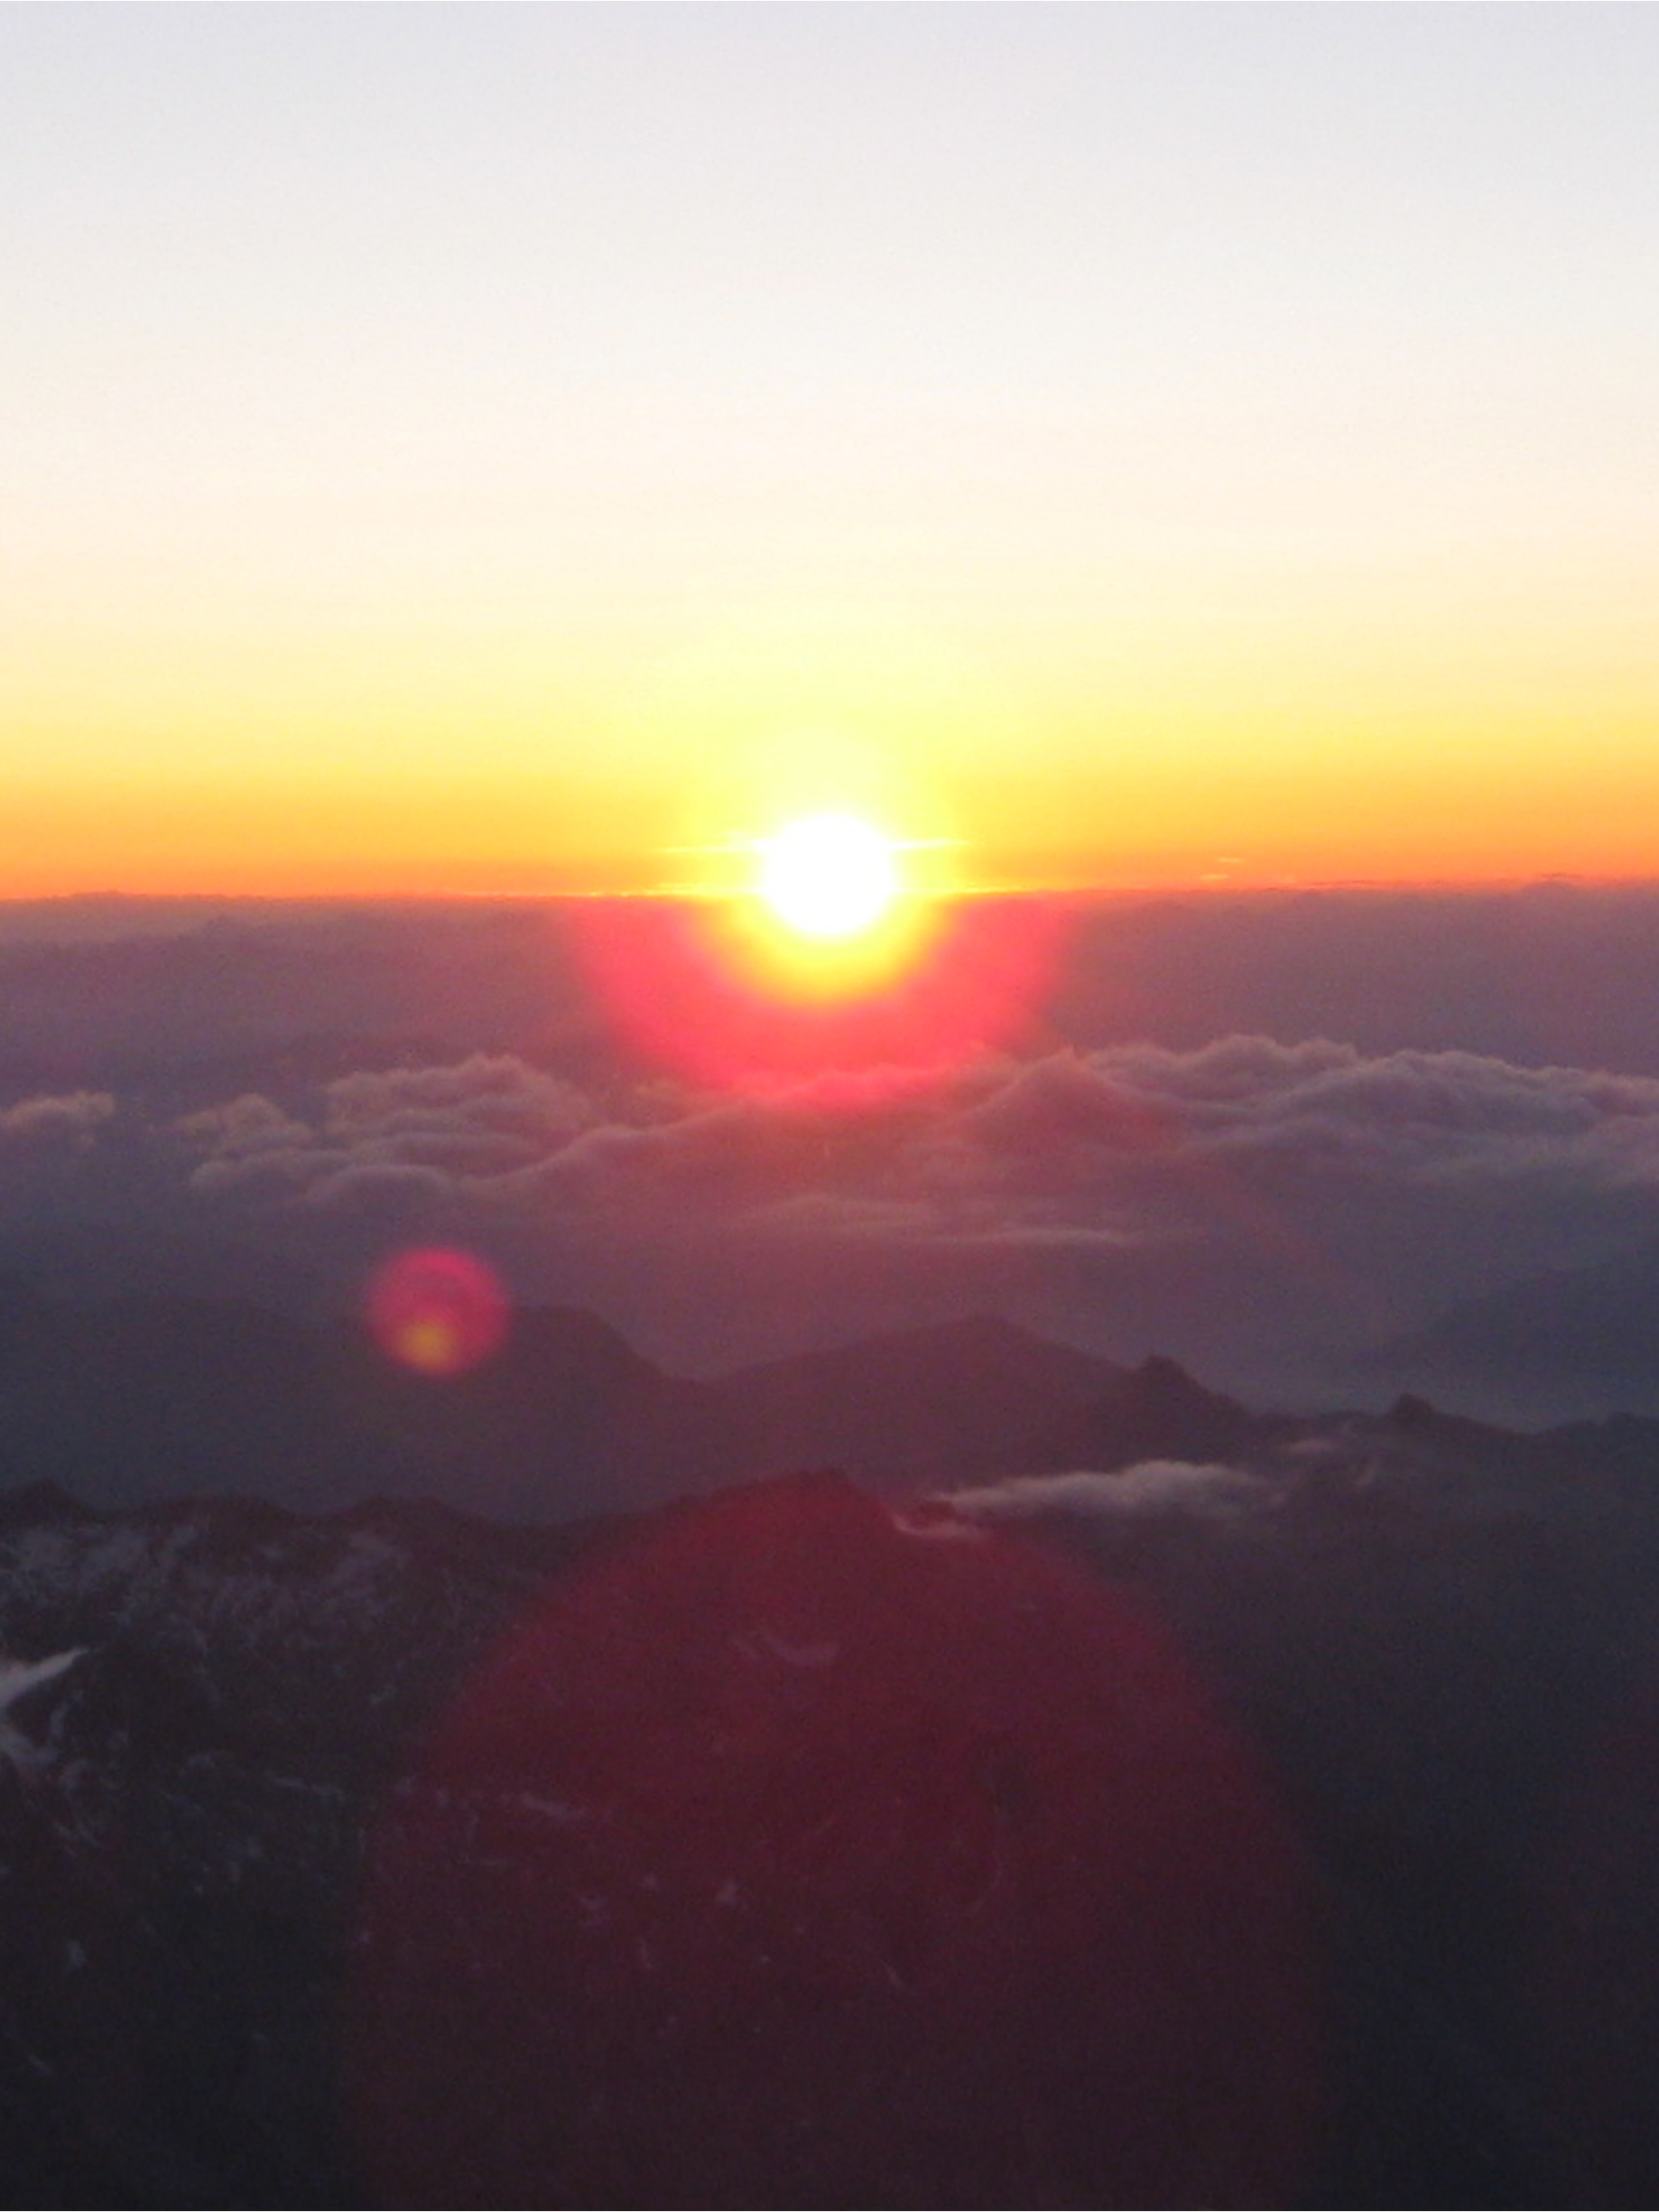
(1099, 446)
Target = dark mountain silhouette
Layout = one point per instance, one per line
(1588, 1333)
(860, 1840)
(567, 1417)
(135, 1397)
(136, 1400)
(150, 1397)
(786, 1846)
(1153, 1411)
(923, 1402)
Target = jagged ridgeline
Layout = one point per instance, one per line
(148, 1397)
(141, 1399)
(1239, 1810)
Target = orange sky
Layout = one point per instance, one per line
(542, 450)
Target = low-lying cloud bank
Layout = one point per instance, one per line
(1216, 1203)
(1155, 1486)
(1072, 1141)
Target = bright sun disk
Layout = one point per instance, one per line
(829, 875)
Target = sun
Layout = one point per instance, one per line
(829, 876)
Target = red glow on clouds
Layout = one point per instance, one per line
(715, 994)
(436, 1310)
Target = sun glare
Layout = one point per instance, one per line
(829, 876)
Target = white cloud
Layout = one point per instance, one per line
(1152, 1486)
(71, 1120)
(1241, 1194)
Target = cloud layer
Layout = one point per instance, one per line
(1154, 1486)
(1088, 1144)
(1217, 1203)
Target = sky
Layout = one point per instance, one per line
(500, 448)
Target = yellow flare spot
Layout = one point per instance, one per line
(430, 1343)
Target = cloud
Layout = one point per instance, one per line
(1310, 1187)
(480, 1117)
(1152, 1486)
(68, 1123)
(1223, 1203)
(1434, 1117)
(485, 1094)
(243, 1129)
(1280, 1127)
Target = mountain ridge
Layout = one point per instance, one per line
(144, 1398)
(148, 1395)
(1418, 1624)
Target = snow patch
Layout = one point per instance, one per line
(17, 1678)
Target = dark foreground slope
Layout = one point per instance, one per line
(1271, 1832)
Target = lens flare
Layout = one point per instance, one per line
(438, 1311)
(829, 876)
(720, 994)
(785, 1852)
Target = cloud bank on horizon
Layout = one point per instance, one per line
(1228, 1203)
(1183, 1156)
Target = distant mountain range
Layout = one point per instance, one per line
(135, 1399)
(1586, 1334)
(141, 1397)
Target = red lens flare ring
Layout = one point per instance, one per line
(437, 1310)
(787, 1854)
